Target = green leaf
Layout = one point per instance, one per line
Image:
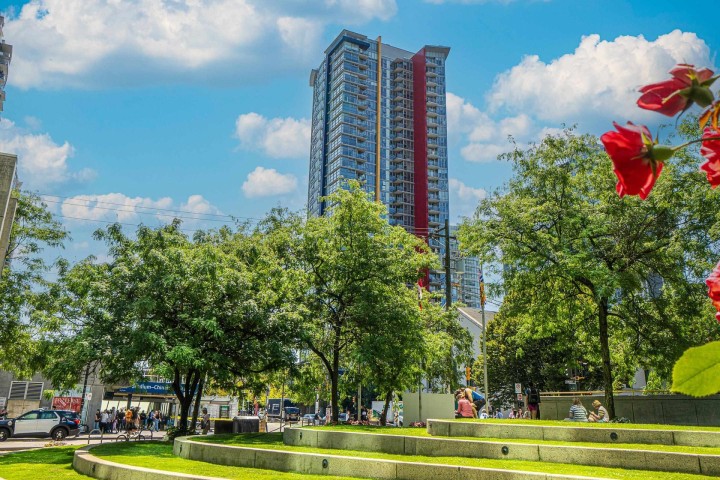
(697, 373)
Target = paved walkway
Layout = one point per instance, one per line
(15, 444)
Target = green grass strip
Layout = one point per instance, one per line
(273, 441)
(421, 432)
(159, 456)
(42, 464)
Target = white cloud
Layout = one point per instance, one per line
(276, 137)
(599, 80)
(469, 2)
(484, 138)
(90, 43)
(266, 182)
(41, 161)
(118, 207)
(463, 198)
(485, 152)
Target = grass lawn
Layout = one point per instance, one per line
(42, 464)
(158, 455)
(274, 441)
(421, 432)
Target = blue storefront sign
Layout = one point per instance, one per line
(155, 388)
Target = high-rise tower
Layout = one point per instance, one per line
(5, 56)
(379, 116)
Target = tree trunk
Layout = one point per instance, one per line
(383, 416)
(185, 393)
(198, 398)
(605, 352)
(334, 377)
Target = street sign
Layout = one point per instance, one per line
(519, 397)
(88, 396)
(570, 382)
(518, 388)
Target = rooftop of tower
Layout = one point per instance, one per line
(388, 50)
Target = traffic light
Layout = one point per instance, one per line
(467, 374)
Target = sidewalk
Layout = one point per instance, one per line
(15, 444)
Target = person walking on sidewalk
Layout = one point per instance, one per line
(532, 400)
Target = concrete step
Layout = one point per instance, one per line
(605, 433)
(600, 456)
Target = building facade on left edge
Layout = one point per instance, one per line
(8, 163)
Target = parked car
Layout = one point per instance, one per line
(292, 414)
(57, 424)
(309, 418)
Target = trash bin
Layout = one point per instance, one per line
(246, 424)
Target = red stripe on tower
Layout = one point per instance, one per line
(420, 148)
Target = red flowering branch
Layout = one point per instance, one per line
(637, 159)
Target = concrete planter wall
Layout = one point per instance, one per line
(662, 409)
(448, 447)
(449, 428)
(87, 464)
(320, 464)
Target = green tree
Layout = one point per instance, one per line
(190, 310)
(390, 353)
(23, 277)
(347, 266)
(627, 272)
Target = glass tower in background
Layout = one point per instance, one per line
(379, 116)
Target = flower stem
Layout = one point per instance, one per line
(694, 141)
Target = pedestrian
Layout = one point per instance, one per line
(577, 412)
(205, 422)
(600, 415)
(532, 400)
(464, 409)
(96, 424)
(104, 420)
(128, 420)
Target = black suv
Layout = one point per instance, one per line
(57, 424)
(292, 414)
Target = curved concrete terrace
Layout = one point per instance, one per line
(571, 433)
(600, 456)
(88, 464)
(323, 464)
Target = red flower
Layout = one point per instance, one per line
(713, 283)
(673, 96)
(632, 151)
(711, 151)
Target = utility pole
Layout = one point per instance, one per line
(484, 340)
(448, 279)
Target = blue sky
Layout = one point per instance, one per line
(202, 106)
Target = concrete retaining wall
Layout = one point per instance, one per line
(448, 447)
(662, 409)
(321, 464)
(519, 430)
(87, 464)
